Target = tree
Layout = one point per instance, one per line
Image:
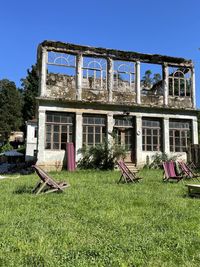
(156, 78)
(146, 79)
(10, 108)
(30, 91)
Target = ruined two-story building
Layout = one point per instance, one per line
(87, 94)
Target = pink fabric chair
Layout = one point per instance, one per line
(187, 171)
(170, 172)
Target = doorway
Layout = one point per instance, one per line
(124, 129)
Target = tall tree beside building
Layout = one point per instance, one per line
(30, 92)
(10, 109)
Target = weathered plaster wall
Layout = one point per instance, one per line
(95, 95)
(179, 102)
(124, 97)
(61, 86)
(152, 100)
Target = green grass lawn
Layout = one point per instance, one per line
(97, 222)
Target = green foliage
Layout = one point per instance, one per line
(158, 159)
(156, 78)
(98, 222)
(10, 108)
(147, 79)
(22, 149)
(102, 156)
(5, 148)
(30, 87)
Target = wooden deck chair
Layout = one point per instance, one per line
(170, 172)
(187, 171)
(126, 175)
(46, 184)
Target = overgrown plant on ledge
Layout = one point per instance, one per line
(102, 156)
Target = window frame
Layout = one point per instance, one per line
(148, 133)
(125, 125)
(180, 134)
(94, 133)
(70, 130)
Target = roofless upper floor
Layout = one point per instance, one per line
(90, 74)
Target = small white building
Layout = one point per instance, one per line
(31, 140)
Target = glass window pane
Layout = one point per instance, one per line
(64, 128)
(90, 139)
(155, 140)
(177, 133)
(104, 130)
(48, 137)
(56, 118)
(90, 120)
(63, 137)
(90, 129)
(49, 118)
(48, 146)
(48, 128)
(85, 120)
(155, 132)
(56, 128)
(55, 145)
(84, 138)
(70, 138)
(97, 138)
(148, 140)
(63, 119)
(63, 146)
(55, 137)
(148, 148)
(97, 129)
(148, 131)
(97, 120)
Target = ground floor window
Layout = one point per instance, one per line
(94, 129)
(123, 129)
(179, 135)
(59, 130)
(151, 134)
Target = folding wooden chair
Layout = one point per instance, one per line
(46, 184)
(187, 171)
(126, 175)
(170, 172)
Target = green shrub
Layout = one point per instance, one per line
(158, 160)
(5, 148)
(102, 156)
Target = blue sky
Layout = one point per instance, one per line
(164, 27)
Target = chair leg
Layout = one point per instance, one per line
(41, 188)
(37, 186)
(120, 179)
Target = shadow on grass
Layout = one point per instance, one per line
(23, 190)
